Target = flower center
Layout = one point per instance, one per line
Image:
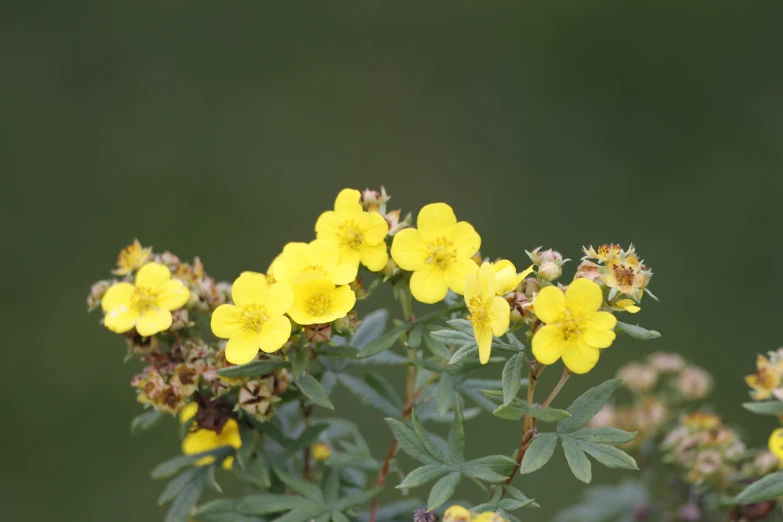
(318, 305)
(441, 253)
(313, 268)
(624, 275)
(144, 299)
(571, 325)
(349, 234)
(253, 318)
(479, 311)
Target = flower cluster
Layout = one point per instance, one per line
(767, 380)
(705, 449)
(657, 387)
(277, 343)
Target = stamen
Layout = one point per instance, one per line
(318, 305)
(350, 235)
(441, 253)
(253, 318)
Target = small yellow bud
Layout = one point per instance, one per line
(456, 514)
(321, 451)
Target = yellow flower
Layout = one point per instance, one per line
(775, 444)
(628, 305)
(147, 305)
(507, 277)
(627, 275)
(489, 314)
(456, 514)
(321, 451)
(256, 320)
(321, 301)
(359, 234)
(575, 329)
(202, 440)
(131, 258)
(766, 379)
(438, 253)
(303, 262)
(605, 253)
(488, 516)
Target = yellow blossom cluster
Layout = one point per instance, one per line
(457, 513)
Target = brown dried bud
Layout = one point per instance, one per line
(179, 320)
(97, 292)
(282, 381)
(694, 383)
(637, 377)
(140, 345)
(255, 396)
(422, 515)
(318, 333)
(212, 413)
(588, 270)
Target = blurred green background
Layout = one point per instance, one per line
(223, 131)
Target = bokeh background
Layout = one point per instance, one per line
(223, 130)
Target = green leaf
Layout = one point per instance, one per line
(384, 342)
(451, 337)
(409, 443)
(512, 377)
(609, 456)
(424, 438)
(176, 485)
(605, 435)
(548, 414)
(331, 485)
(437, 348)
(414, 339)
(299, 358)
(461, 325)
(265, 504)
(463, 354)
(185, 502)
(304, 513)
(253, 369)
(385, 389)
(173, 465)
(444, 397)
(309, 436)
(637, 332)
(301, 486)
(423, 475)
(577, 460)
(765, 408)
(443, 490)
(145, 421)
(371, 327)
(357, 499)
(539, 453)
(368, 396)
(311, 388)
(222, 510)
(456, 439)
(339, 517)
(249, 439)
(767, 488)
(585, 407)
(486, 469)
(254, 472)
(208, 478)
(497, 394)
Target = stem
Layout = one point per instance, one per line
(563, 379)
(528, 429)
(308, 411)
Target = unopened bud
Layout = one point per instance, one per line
(346, 325)
(637, 377)
(391, 269)
(318, 333)
(549, 271)
(321, 451)
(694, 383)
(96, 294)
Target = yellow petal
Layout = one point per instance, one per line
(487, 281)
(152, 276)
(118, 294)
(629, 305)
(343, 300)
(274, 334)
(583, 296)
(226, 321)
(347, 202)
(375, 229)
(466, 239)
(483, 337)
(598, 337)
(173, 294)
(408, 250)
(458, 272)
(349, 256)
(188, 412)
(775, 443)
(374, 257)
(549, 304)
(603, 320)
(500, 316)
(505, 275)
(327, 224)
(324, 251)
(344, 274)
(471, 289)
(153, 321)
(548, 344)
(121, 319)
(199, 442)
(279, 300)
(242, 347)
(435, 220)
(428, 285)
(580, 358)
(249, 288)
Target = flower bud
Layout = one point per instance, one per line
(422, 515)
(456, 514)
(667, 362)
(637, 377)
(391, 269)
(97, 291)
(549, 271)
(318, 333)
(346, 325)
(255, 397)
(588, 270)
(694, 383)
(321, 451)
